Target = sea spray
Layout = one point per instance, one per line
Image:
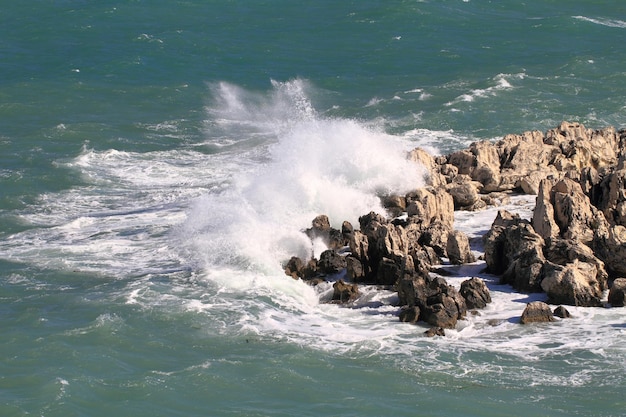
(311, 165)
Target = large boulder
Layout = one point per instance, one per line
(515, 251)
(609, 245)
(458, 248)
(573, 284)
(475, 293)
(617, 294)
(439, 304)
(426, 206)
(537, 312)
(331, 262)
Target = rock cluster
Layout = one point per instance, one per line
(572, 249)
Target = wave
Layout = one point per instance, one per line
(613, 23)
(499, 83)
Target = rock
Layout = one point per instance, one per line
(394, 204)
(426, 206)
(563, 252)
(562, 312)
(410, 314)
(543, 214)
(515, 250)
(445, 306)
(435, 331)
(433, 174)
(537, 312)
(617, 294)
(294, 267)
(612, 197)
(609, 244)
(331, 262)
(392, 241)
(320, 229)
(354, 269)
(475, 293)
(573, 213)
(388, 272)
(435, 236)
(573, 284)
(464, 194)
(458, 248)
(344, 293)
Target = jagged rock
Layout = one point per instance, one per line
(410, 314)
(515, 250)
(537, 312)
(445, 306)
(617, 294)
(354, 269)
(347, 231)
(475, 293)
(370, 223)
(294, 267)
(612, 197)
(344, 293)
(426, 206)
(573, 284)
(435, 331)
(582, 147)
(435, 236)
(573, 213)
(388, 272)
(331, 262)
(320, 229)
(391, 241)
(563, 252)
(609, 245)
(543, 214)
(465, 194)
(458, 248)
(433, 174)
(562, 312)
(394, 204)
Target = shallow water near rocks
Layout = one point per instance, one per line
(159, 161)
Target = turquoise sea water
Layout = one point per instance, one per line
(159, 159)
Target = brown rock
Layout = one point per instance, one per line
(458, 248)
(572, 284)
(562, 312)
(475, 292)
(410, 314)
(617, 294)
(344, 293)
(537, 312)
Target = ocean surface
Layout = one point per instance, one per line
(159, 159)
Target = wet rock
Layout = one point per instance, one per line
(514, 250)
(331, 262)
(617, 294)
(435, 331)
(573, 284)
(410, 314)
(475, 293)
(537, 312)
(562, 312)
(344, 293)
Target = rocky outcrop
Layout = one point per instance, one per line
(537, 312)
(617, 294)
(458, 248)
(475, 293)
(573, 245)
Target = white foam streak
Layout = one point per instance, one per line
(501, 81)
(613, 23)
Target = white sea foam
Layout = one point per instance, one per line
(499, 83)
(613, 23)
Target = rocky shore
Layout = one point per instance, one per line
(573, 248)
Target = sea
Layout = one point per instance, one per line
(159, 161)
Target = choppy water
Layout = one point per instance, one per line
(159, 159)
